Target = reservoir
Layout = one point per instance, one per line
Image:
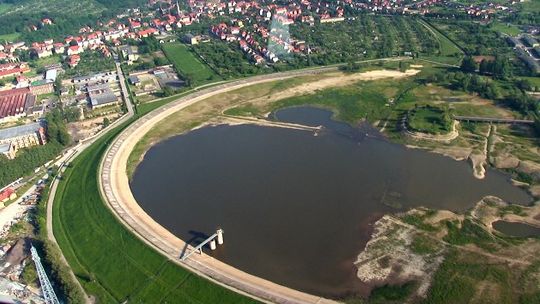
(297, 207)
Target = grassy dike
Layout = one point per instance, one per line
(112, 264)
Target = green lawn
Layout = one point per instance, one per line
(4, 7)
(187, 64)
(10, 37)
(507, 29)
(111, 263)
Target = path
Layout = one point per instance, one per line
(14, 210)
(72, 154)
(493, 119)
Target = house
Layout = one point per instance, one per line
(8, 193)
(332, 20)
(74, 50)
(23, 137)
(134, 80)
(46, 21)
(42, 52)
(73, 60)
(59, 48)
(147, 33)
(128, 53)
(190, 39)
(13, 69)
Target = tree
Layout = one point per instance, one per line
(58, 86)
(403, 66)
(106, 122)
(167, 91)
(485, 67)
(468, 65)
(501, 68)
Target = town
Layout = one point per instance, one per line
(65, 82)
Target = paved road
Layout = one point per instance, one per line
(72, 154)
(125, 93)
(14, 211)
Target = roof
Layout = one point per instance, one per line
(94, 76)
(15, 102)
(134, 79)
(4, 148)
(13, 132)
(41, 82)
(51, 75)
(101, 99)
(3, 195)
(98, 88)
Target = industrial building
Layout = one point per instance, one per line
(15, 138)
(14, 104)
(101, 95)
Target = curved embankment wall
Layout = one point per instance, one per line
(114, 186)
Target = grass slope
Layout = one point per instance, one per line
(186, 63)
(112, 263)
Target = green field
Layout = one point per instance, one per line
(4, 7)
(187, 64)
(111, 263)
(10, 37)
(507, 29)
(430, 119)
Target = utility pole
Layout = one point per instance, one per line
(46, 287)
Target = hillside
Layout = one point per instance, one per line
(16, 16)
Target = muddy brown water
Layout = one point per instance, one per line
(297, 208)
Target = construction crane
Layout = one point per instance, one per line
(46, 287)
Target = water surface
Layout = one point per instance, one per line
(297, 208)
(516, 229)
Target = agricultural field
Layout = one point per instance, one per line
(113, 264)
(227, 60)
(187, 64)
(366, 37)
(474, 38)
